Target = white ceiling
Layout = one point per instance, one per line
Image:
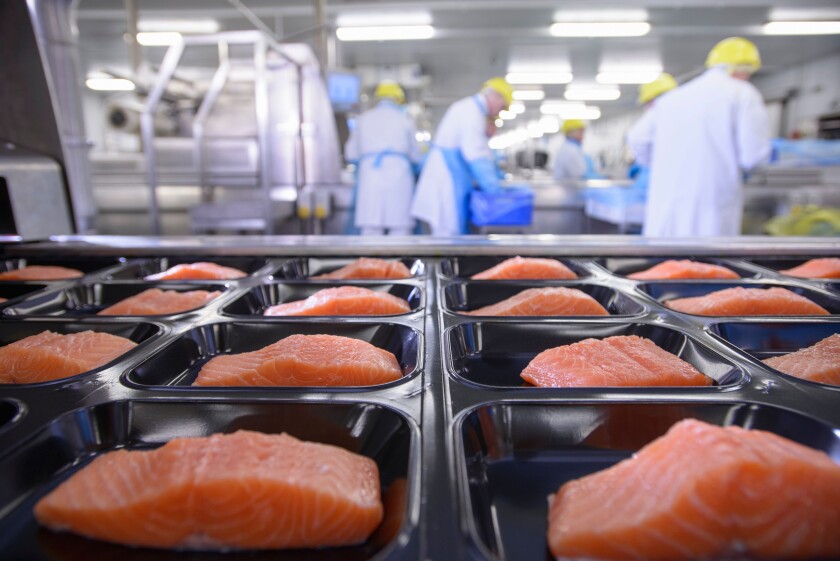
(477, 39)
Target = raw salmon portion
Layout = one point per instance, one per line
(245, 490)
(817, 363)
(827, 268)
(343, 301)
(684, 269)
(525, 268)
(3, 300)
(552, 301)
(614, 361)
(155, 301)
(41, 272)
(703, 492)
(304, 360)
(369, 268)
(52, 356)
(740, 301)
(197, 271)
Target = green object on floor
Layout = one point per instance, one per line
(809, 220)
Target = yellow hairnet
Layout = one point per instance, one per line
(735, 51)
(391, 90)
(573, 124)
(650, 91)
(500, 86)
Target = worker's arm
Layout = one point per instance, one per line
(476, 151)
(413, 146)
(752, 132)
(640, 138)
(352, 153)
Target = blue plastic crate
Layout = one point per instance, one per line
(514, 206)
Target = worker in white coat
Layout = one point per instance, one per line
(459, 158)
(385, 151)
(699, 141)
(569, 160)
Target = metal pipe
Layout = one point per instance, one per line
(218, 82)
(252, 17)
(261, 107)
(134, 53)
(147, 126)
(321, 50)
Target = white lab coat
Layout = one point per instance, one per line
(463, 127)
(569, 162)
(698, 140)
(384, 193)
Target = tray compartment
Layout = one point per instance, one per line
(663, 291)
(85, 264)
(777, 265)
(510, 457)
(258, 299)
(9, 412)
(305, 267)
(179, 362)
(136, 270)
(465, 296)
(623, 266)
(15, 330)
(88, 299)
(493, 353)
(13, 290)
(467, 266)
(73, 440)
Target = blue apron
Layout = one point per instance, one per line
(351, 228)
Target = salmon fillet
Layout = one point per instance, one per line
(52, 356)
(41, 272)
(369, 268)
(343, 301)
(702, 492)
(197, 271)
(740, 301)
(395, 502)
(817, 363)
(245, 490)
(525, 268)
(827, 268)
(615, 361)
(304, 360)
(155, 301)
(552, 301)
(684, 269)
(3, 299)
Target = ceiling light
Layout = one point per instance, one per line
(385, 33)
(367, 19)
(517, 108)
(558, 107)
(180, 25)
(588, 113)
(539, 77)
(801, 28)
(528, 95)
(507, 115)
(499, 123)
(534, 130)
(600, 29)
(550, 125)
(627, 76)
(110, 84)
(592, 94)
(158, 38)
(632, 14)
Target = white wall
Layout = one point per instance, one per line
(817, 92)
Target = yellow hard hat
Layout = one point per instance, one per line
(573, 124)
(391, 90)
(735, 51)
(650, 91)
(500, 86)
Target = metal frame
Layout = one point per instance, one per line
(261, 44)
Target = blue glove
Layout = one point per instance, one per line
(484, 172)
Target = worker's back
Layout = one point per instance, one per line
(703, 135)
(385, 128)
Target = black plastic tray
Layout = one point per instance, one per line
(663, 291)
(12, 291)
(138, 269)
(87, 299)
(465, 296)
(511, 457)
(259, 298)
(87, 265)
(305, 267)
(466, 267)
(74, 439)
(178, 363)
(493, 353)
